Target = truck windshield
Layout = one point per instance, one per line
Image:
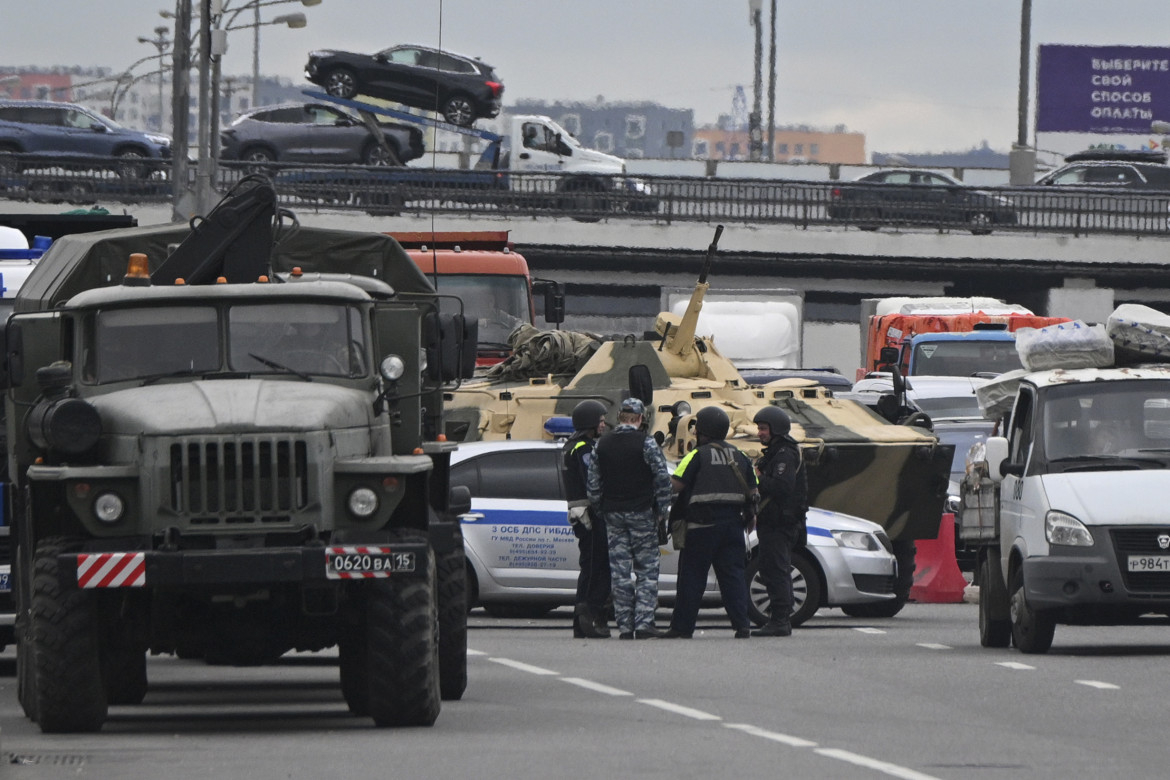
(126, 344)
(1087, 421)
(300, 338)
(498, 303)
(964, 358)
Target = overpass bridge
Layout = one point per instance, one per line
(615, 270)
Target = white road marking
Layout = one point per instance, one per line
(934, 646)
(596, 686)
(756, 731)
(1013, 665)
(1098, 684)
(475, 652)
(867, 630)
(523, 667)
(678, 709)
(893, 770)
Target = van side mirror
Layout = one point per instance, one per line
(996, 454)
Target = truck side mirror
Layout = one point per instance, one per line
(554, 299)
(459, 501)
(996, 454)
(12, 364)
(887, 356)
(449, 341)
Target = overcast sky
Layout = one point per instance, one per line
(913, 75)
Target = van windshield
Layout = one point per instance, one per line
(1123, 424)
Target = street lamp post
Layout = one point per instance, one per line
(755, 133)
(162, 43)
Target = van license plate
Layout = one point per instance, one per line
(1149, 563)
(343, 563)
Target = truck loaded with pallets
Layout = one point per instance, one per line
(230, 449)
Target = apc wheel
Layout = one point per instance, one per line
(376, 154)
(402, 642)
(806, 591)
(124, 673)
(459, 110)
(1032, 630)
(342, 83)
(994, 631)
(70, 696)
(452, 576)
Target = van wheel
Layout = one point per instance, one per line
(806, 591)
(994, 631)
(1032, 629)
(585, 199)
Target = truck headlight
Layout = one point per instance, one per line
(856, 540)
(1062, 528)
(362, 502)
(108, 507)
(392, 368)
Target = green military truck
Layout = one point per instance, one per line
(229, 450)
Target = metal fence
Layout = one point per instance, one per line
(664, 199)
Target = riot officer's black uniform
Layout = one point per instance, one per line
(593, 583)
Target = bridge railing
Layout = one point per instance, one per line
(852, 205)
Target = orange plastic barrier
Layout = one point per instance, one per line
(937, 579)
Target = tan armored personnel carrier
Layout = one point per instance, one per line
(858, 462)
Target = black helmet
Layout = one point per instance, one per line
(776, 420)
(588, 415)
(712, 422)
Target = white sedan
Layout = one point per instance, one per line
(522, 554)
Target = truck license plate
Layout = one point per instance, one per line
(5, 584)
(1149, 563)
(344, 563)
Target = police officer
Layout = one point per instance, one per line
(717, 482)
(780, 522)
(629, 484)
(593, 585)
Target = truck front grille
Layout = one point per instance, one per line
(1142, 541)
(238, 479)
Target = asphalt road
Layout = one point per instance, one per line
(913, 697)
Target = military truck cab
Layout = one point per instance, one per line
(1068, 506)
(232, 471)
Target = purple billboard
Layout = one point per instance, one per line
(1101, 89)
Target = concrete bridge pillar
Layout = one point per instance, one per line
(1081, 299)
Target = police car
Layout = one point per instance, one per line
(522, 554)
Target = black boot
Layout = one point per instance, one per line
(585, 624)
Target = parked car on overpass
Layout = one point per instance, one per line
(1111, 169)
(522, 553)
(316, 133)
(461, 89)
(919, 197)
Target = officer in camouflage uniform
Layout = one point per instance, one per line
(593, 583)
(629, 483)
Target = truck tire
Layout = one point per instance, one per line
(402, 642)
(25, 665)
(452, 577)
(994, 630)
(355, 673)
(1032, 630)
(70, 695)
(585, 197)
(124, 673)
(806, 591)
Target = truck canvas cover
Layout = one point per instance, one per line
(86, 261)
